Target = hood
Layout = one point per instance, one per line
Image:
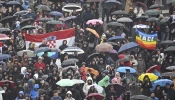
(89, 78)
(104, 82)
(69, 92)
(21, 92)
(26, 2)
(36, 86)
(121, 56)
(36, 76)
(22, 70)
(108, 66)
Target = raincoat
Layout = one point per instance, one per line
(20, 92)
(34, 93)
(86, 85)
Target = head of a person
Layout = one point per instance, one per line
(75, 53)
(65, 42)
(127, 71)
(88, 7)
(74, 11)
(40, 59)
(152, 94)
(55, 93)
(69, 94)
(44, 41)
(170, 59)
(83, 64)
(155, 70)
(153, 58)
(158, 87)
(29, 10)
(112, 88)
(146, 78)
(130, 9)
(168, 85)
(93, 98)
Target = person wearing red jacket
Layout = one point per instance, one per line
(82, 72)
(40, 64)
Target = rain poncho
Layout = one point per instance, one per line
(86, 85)
(34, 93)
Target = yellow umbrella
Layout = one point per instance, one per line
(93, 31)
(151, 76)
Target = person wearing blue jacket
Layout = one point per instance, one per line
(153, 96)
(34, 93)
(26, 5)
(20, 95)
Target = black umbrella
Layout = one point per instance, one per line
(124, 59)
(111, 3)
(141, 17)
(20, 13)
(7, 19)
(44, 19)
(69, 7)
(69, 61)
(170, 48)
(167, 42)
(155, 6)
(90, 57)
(4, 30)
(152, 19)
(43, 7)
(12, 3)
(25, 21)
(114, 24)
(119, 12)
(118, 88)
(170, 74)
(140, 97)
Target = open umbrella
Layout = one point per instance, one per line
(69, 67)
(29, 53)
(4, 56)
(153, 12)
(7, 19)
(104, 47)
(71, 6)
(44, 19)
(26, 20)
(156, 6)
(4, 37)
(94, 0)
(69, 18)
(96, 95)
(145, 8)
(152, 19)
(118, 88)
(90, 57)
(12, 84)
(97, 87)
(113, 51)
(77, 81)
(91, 70)
(56, 13)
(164, 20)
(54, 22)
(94, 21)
(151, 69)
(140, 97)
(162, 82)
(169, 74)
(171, 68)
(124, 59)
(119, 12)
(127, 46)
(167, 42)
(65, 82)
(111, 3)
(4, 29)
(170, 1)
(151, 76)
(71, 50)
(43, 7)
(141, 26)
(124, 20)
(116, 38)
(124, 68)
(41, 49)
(27, 27)
(70, 61)
(170, 48)
(114, 24)
(141, 17)
(14, 3)
(20, 13)
(93, 31)
(112, 43)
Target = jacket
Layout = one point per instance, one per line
(34, 93)
(56, 98)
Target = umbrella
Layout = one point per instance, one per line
(164, 20)
(167, 42)
(124, 68)
(170, 1)
(153, 12)
(13, 3)
(70, 61)
(119, 12)
(111, 3)
(162, 82)
(152, 19)
(140, 97)
(113, 51)
(170, 48)
(26, 20)
(145, 8)
(118, 88)
(70, 18)
(151, 69)
(90, 57)
(116, 38)
(91, 70)
(114, 24)
(94, 0)
(96, 95)
(27, 27)
(124, 59)
(54, 22)
(7, 19)
(56, 13)
(112, 43)
(151, 76)
(43, 7)
(29, 53)
(65, 82)
(12, 84)
(44, 19)
(4, 56)
(141, 26)
(71, 6)
(71, 50)
(128, 46)
(4, 37)
(124, 20)
(104, 47)
(97, 87)
(94, 21)
(93, 31)
(69, 67)
(141, 17)
(22, 12)
(170, 68)
(155, 6)
(77, 81)
(4, 29)
(41, 49)
(169, 74)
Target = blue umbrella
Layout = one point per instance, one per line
(127, 46)
(4, 56)
(13, 3)
(55, 13)
(116, 38)
(41, 49)
(124, 68)
(162, 82)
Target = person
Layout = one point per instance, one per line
(44, 44)
(169, 91)
(20, 96)
(69, 96)
(89, 82)
(56, 96)
(64, 45)
(146, 85)
(153, 96)
(156, 72)
(141, 67)
(128, 79)
(34, 93)
(158, 92)
(39, 64)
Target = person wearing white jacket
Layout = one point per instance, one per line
(1, 92)
(69, 96)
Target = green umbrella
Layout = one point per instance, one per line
(170, 1)
(28, 27)
(155, 6)
(164, 20)
(153, 12)
(65, 82)
(54, 22)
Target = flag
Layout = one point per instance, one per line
(147, 41)
(54, 39)
(0, 47)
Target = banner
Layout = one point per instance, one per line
(0, 47)
(147, 41)
(54, 39)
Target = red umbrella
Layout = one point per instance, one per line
(96, 95)
(12, 84)
(150, 70)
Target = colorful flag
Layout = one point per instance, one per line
(147, 41)
(54, 39)
(0, 47)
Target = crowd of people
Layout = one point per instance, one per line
(105, 62)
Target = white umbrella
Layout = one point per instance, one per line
(141, 26)
(71, 5)
(71, 50)
(29, 53)
(77, 81)
(170, 68)
(124, 20)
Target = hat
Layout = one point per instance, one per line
(88, 6)
(69, 92)
(130, 8)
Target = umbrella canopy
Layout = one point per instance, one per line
(124, 20)
(7, 19)
(128, 46)
(153, 12)
(93, 31)
(77, 81)
(96, 95)
(151, 76)
(4, 56)
(111, 3)
(27, 27)
(13, 3)
(114, 24)
(141, 17)
(169, 74)
(171, 68)
(94, 21)
(4, 29)
(44, 19)
(69, 67)
(104, 47)
(151, 69)
(124, 59)
(70, 61)
(140, 97)
(71, 50)
(113, 51)
(94, 0)
(97, 87)
(123, 69)
(112, 43)
(65, 82)
(54, 22)
(162, 82)
(170, 48)
(116, 38)
(156, 6)
(43, 7)
(12, 84)
(141, 26)
(164, 20)
(152, 19)
(170, 1)
(71, 6)
(56, 13)
(145, 8)
(117, 87)
(26, 20)
(119, 12)
(41, 49)
(4, 37)
(91, 70)
(167, 42)
(20, 13)
(90, 57)
(69, 18)
(29, 53)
